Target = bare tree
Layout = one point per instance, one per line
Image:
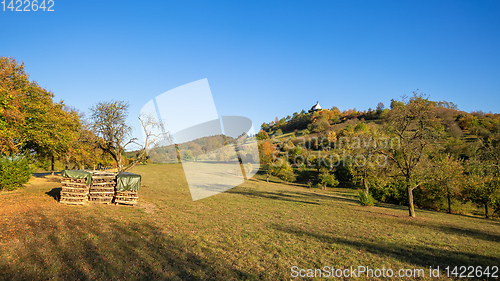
(154, 132)
(108, 121)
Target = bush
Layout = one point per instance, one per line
(262, 135)
(320, 125)
(327, 179)
(343, 172)
(365, 199)
(394, 192)
(283, 170)
(14, 172)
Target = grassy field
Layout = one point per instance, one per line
(258, 230)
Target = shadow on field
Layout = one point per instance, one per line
(422, 256)
(291, 196)
(469, 232)
(54, 193)
(284, 196)
(76, 248)
(454, 230)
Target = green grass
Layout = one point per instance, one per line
(258, 230)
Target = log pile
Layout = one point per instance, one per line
(127, 197)
(80, 186)
(75, 188)
(127, 188)
(103, 186)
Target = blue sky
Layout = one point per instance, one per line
(262, 58)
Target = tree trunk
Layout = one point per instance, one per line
(411, 208)
(52, 164)
(449, 204)
(486, 210)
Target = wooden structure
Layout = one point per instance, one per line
(127, 188)
(75, 188)
(128, 197)
(102, 188)
(79, 187)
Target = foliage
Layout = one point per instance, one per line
(365, 199)
(267, 152)
(446, 178)
(262, 135)
(29, 119)
(483, 185)
(320, 125)
(14, 171)
(282, 169)
(343, 171)
(327, 179)
(413, 122)
(394, 192)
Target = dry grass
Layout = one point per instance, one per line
(254, 231)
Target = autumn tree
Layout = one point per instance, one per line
(483, 171)
(483, 185)
(268, 152)
(29, 119)
(447, 177)
(413, 122)
(327, 179)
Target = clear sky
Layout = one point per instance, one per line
(262, 59)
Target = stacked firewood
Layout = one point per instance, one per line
(128, 197)
(127, 188)
(74, 191)
(80, 186)
(103, 186)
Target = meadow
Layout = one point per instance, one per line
(257, 230)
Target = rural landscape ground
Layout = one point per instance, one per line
(257, 230)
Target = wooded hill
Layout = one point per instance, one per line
(443, 156)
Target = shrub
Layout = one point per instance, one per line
(14, 171)
(279, 132)
(343, 172)
(327, 179)
(262, 135)
(365, 199)
(320, 125)
(394, 192)
(282, 170)
(361, 127)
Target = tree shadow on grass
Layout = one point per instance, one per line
(76, 248)
(274, 195)
(422, 256)
(292, 196)
(54, 193)
(455, 230)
